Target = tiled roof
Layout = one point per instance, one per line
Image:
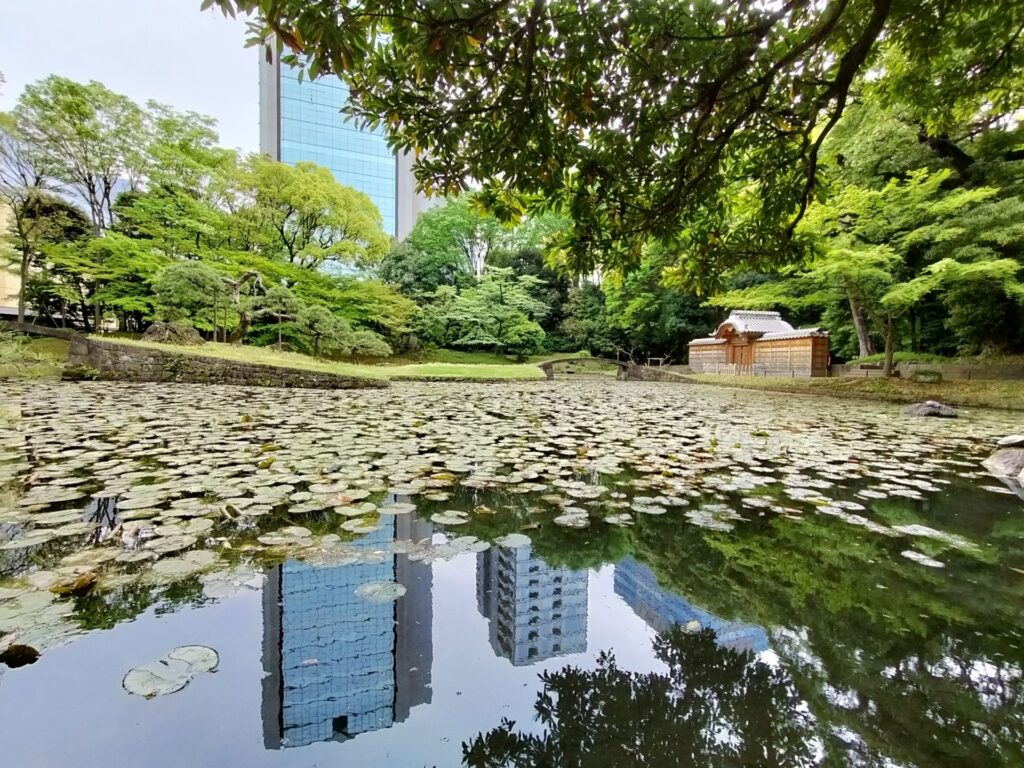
(798, 333)
(748, 321)
(706, 342)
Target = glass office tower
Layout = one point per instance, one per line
(302, 121)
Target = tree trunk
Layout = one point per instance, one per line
(279, 332)
(861, 326)
(890, 344)
(25, 258)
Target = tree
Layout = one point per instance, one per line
(23, 177)
(282, 304)
(304, 216)
(458, 234)
(90, 139)
(189, 290)
(611, 716)
(586, 323)
(643, 120)
(112, 272)
(885, 250)
(322, 327)
(652, 315)
(416, 273)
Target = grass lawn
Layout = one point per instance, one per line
(459, 356)
(922, 357)
(996, 393)
(425, 370)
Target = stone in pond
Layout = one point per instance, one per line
(1007, 462)
(1010, 441)
(931, 408)
(16, 655)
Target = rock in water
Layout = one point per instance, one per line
(1010, 441)
(181, 334)
(1006, 462)
(15, 656)
(931, 408)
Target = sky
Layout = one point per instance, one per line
(166, 50)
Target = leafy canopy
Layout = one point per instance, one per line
(698, 123)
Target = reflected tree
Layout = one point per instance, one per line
(714, 706)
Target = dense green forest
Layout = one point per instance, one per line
(122, 215)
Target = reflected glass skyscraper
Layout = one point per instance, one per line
(302, 121)
(661, 609)
(534, 611)
(335, 664)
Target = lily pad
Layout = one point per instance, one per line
(513, 540)
(380, 591)
(171, 673)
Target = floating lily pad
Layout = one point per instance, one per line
(380, 591)
(171, 673)
(450, 517)
(513, 540)
(159, 678)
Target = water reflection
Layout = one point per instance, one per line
(335, 664)
(534, 611)
(714, 706)
(661, 610)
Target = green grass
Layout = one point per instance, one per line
(462, 357)
(924, 357)
(903, 357)
(995, 393)
(428, 370)
(32, 358)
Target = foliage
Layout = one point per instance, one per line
(303, 214)
(89, 137)
(612, 716)
(184, 229)
(453, 244)
(698, 124)
(499, 312)
(919, 245)
(187, 290)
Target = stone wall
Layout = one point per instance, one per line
(634, 372)
(108, 361)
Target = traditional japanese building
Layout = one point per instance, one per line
(761, 344)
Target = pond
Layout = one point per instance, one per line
(563, 573)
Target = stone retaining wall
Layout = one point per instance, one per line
(90, 359)
(634, 372)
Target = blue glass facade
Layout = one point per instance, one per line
(534, 612)
(312, 129)
(661, 610)
(336, 664)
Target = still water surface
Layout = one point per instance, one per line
(590, 573)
